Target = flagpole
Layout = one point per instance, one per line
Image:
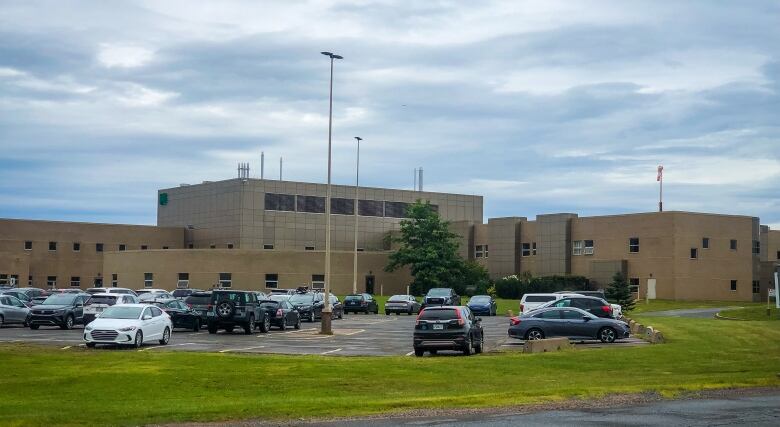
(661, 189)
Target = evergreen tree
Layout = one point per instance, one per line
(618, 292)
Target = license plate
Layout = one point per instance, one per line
(438, 326)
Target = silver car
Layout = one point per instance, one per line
(12, 310)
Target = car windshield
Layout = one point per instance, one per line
(60, 299)
(102, 299)
(479, 299)
(149, 296)
(121, 312)
(353, 298)
(397, 298)
(439, 314)
(269, 304)
(302, 299)
(439, 292)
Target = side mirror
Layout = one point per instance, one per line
(147, 317)
(586, 318)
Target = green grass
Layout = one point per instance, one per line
(663, 305)
(46, 386)
(753, 313)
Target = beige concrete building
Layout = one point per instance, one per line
(260, 234)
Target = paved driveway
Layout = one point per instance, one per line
(689, 312)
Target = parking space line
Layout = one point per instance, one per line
(331, 351)
(166, 346)
(66, 347)
(354, 333)
(241, 349)
(409, 354)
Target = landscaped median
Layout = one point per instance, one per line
(43, 386)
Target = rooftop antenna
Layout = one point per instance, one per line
(243, 170)
(262, 164)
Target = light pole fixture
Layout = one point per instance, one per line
(357, 185)
(325, 327)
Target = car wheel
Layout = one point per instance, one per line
(467, 347)
(266, 325)
(478, 347)
(34, 326)
(139, 339)
(90, 345)
(283, 325)
(166, 338)
(68, 323)
(534, 334)
(387, 313)
(341, 314)
(607, 335)
(298, 323)
(250, 325)
(229, 329)
(411, 311)
(26, 321)
(226, 309)
(196, 326)
(419, 352)
(212, 329)
(1, 321)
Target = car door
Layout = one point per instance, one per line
(550, 322)
(78, 308)
(574, 324)
(10, 309)
(157, 323)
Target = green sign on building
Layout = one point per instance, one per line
(163, 199)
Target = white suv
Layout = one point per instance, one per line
(531, 302)
(99, 302)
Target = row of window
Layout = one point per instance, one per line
(339, 206)
(633, 284)
(225, 280)
(28, 246)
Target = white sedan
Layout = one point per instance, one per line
(130, 324)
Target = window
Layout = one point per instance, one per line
(362, 250)
(311, 204)
(144, 247)
(148, 280)
(318, 281)
(533, 248)
(577, 247)
(165, 247)
(4, 279)
(778, 255)
(479, 251)
(114, 280)
(75, 281)
(51, 281)
(183, 280)
(225, 280)
(309, 248)
(28, 245)
(279, 202)
(694, 253)
(212, 246)
(52, 246)
(29, 281)
(705, 242)
(342, 206)
(272, 281)
(733, 285)
(756, 287)
(268, 246)
(98, 247)
(371, 208)
(230, 246)
(633, 284)
(396, 209)
(756, 247)
(97, 282)
(633, 244)
(588, 247)
(733, 244)
(190, 246)
(526, 249)
(76, 246)
(122, 247)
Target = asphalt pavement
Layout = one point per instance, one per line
(689, 312)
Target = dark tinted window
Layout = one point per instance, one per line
(198, 299)
(439, 314)
(279, 202)
(539, 298)
(552, 314)
(371, 208)
(396, 209)
(311, 204)
(571, 314)
(353, 298)
(230, 296)
(269, 305)
(101, 299)
(342, 206)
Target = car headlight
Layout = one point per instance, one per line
(88, 328)
(127, 329)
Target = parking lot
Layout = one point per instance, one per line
(355, 335)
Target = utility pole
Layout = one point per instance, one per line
(357, 185)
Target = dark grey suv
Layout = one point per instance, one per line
(441, 296)
(236, 308)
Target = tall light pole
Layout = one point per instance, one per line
(357, 185)
(326, 311)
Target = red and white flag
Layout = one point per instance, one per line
(660, 173)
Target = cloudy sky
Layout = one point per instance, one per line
(539, 106)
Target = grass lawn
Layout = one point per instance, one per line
(45, 386)
(753, 313)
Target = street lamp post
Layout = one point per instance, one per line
(357, 185)
(326, 311)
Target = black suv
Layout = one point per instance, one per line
(595, 306)
(360, 302)
(308, 304)
(441, 296)
(448, 328)
(63, 310)
(229, 309)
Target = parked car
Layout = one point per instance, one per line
(156, 294)
(64, 310)
(447, 328)
(99, 302)
(124, 291)
(595, 306)
(231, 308)
(181, 315)
(336, 307)
(184, 293)
(27, 293)
(279, 297)
(568, 322)
(132, 324)
(482, 305)
(360, 303)
(13, 310)
(21, 296)
(199, 301)
(441, 296)
(530, 302)
(283, 292)
(617, 310)
(309, 305)
(282, 313)
(402, 304)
